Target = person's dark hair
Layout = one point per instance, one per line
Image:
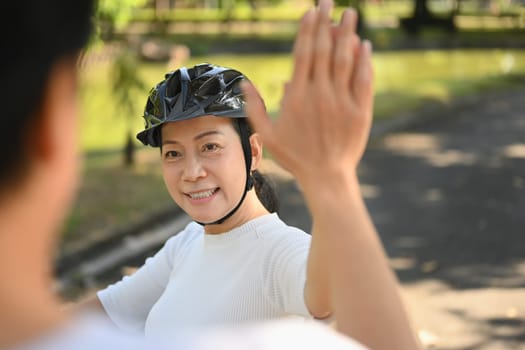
(265, 189)
(35, 36)
(263, 185)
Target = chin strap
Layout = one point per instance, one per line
(247, 150)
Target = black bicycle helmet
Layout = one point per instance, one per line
(205, 89)
(188, 93)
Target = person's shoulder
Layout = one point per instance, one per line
(87, 332)
(275, 229)
(191, 232)
(282, 334)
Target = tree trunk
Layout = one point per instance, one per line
(129, 151)
(421, 11)
(422, 17)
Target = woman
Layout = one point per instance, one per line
(238, 261)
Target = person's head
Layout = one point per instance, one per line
(209, 153)
(40, 45)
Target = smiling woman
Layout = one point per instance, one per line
(250, 265)
(202, 168)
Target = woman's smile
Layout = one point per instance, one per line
(202, 196)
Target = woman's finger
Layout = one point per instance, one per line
(323, 43)
(344, 51)
(303, 48)
(363, 78)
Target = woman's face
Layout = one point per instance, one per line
(203, 166)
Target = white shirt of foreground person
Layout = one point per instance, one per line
(90, 331)
(292, 333)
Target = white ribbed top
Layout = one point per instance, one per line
(256, 271)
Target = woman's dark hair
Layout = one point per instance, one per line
(36, 35)
(263, 185)
(265, 190)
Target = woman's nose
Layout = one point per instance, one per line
(193, 169)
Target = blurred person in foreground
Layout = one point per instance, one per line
(330, 93)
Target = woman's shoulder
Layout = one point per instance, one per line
(186, 236)
(274, 229)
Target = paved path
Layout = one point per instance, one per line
(448, 198)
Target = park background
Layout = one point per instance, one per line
(429, 55)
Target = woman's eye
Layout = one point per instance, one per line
(171, 154)
(211, 147)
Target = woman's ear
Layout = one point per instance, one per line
(257, 150)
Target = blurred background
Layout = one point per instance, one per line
(430, 56)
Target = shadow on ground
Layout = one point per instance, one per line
(447, 196)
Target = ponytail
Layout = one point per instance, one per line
(265, 190)
(264, 186)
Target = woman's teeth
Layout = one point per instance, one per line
(201, 195)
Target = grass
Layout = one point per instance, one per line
(406, 80)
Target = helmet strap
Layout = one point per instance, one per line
(247, 150)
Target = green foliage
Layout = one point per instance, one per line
(112, 15)
(346, 3)
(118, 12)
(125, 82)
(218, 15)
(404, 80)
(378, 12)
(105, 121)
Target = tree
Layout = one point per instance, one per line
(112, 15)
(125, 81)
(422, 17)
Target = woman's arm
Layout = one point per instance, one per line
(128, 302)
(320, 136)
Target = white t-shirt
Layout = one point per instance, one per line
(256, 271)
(89, 332)
(276, 335)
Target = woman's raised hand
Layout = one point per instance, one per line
(326, 112)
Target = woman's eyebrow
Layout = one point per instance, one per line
(207, 133)
(199, 136)
(165, 142)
